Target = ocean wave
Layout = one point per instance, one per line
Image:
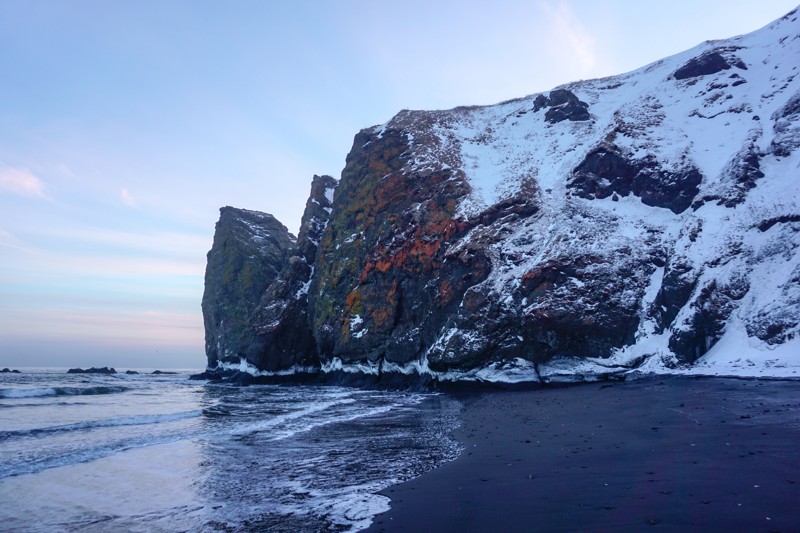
(84, 454)
(110, 422)
(284, 418)
(345, 417)
(216, 410)
(59, 391)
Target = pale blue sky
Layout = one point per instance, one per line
(124, 126)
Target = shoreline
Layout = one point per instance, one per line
(674, 453)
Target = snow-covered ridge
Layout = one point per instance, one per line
(498, 147)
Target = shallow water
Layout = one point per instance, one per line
(163, 453)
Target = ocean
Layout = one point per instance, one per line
(155, 452)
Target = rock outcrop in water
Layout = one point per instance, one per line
(92, 370)
(632, 221)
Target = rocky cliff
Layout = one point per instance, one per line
(255, 305)
(648, 220)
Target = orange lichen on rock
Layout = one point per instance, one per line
(416, 255)
(445, 294)
(353, 303)
(391, 296)
(383, 316)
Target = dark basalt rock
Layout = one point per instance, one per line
(249, 251)
(591, 316)
(776, 324)
(282, 319)
(741, 175)
(710, 312)
(707, 63)
(211, 375)
(773, 329)
(481, 330)
(282, 322)
(791, 109)
(93, 370)
(9, 371)
(764, 225)
(315, 217)
(787, 127)
(131, 372)
(572, 306)
(677, 286)
(746, 170)
(563, 105)
(162, 373)
(256, 303)
(605, 171)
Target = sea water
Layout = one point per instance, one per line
(145, 452)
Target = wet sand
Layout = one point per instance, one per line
(661, 454)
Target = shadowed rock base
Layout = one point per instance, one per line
(674, 454)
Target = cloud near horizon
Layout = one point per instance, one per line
(21, 181)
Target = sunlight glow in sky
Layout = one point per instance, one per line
(124, 126)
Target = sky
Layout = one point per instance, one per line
(125, 126)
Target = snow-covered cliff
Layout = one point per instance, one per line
(645, 221)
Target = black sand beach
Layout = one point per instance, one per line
(661, 454)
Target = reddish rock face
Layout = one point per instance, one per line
(383, 284)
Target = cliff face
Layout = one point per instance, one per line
(255, 304)
(614, 223)
(385, 286)
(247, 255)
(282, 318)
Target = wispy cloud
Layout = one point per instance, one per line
(568, 29)
(7, 240)
(135, 328)
(21, 181)
(119, 266)
(127, 198)
(170, 244)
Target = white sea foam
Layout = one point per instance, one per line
(12, 393)
(356, 509)
(349, 417)
(27, 393)
(282, 419)
(105, 423)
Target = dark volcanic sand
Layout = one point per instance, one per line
(667, 454)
